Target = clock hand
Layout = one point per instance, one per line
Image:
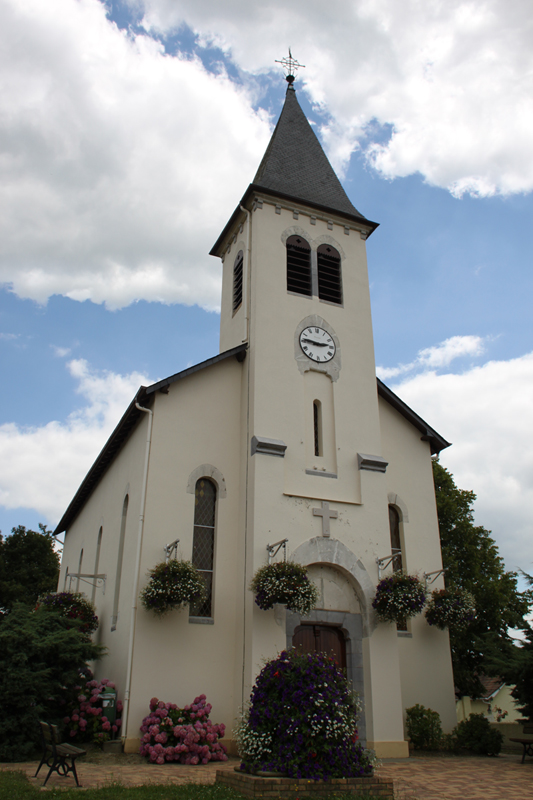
(312, 341)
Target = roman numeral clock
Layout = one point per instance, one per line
(317, 344)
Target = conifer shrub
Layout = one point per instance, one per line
(42, 654)
(477, 735)
(184, 734)
(423, 728)
(302, 721)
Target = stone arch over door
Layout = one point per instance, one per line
(333, 552)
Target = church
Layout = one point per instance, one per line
(285, 440)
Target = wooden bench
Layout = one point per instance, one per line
(527, 744)
(59, 756)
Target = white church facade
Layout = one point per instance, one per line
(286, 434)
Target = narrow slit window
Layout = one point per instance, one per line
(299, 266)
(329, 274)
(317, 427)
(79, 570)
(120, 557)
(203, 548)
(237, 281)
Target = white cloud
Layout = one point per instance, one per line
(119, 164)
(61, 352)
(42, 467)
(440, 355)
(487, 412)
(454, 79)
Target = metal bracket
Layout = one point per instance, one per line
(171, 550)
(86, 578)
(385, 562)
(433, 575)
(273, 549)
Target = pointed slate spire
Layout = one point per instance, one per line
(295, 165)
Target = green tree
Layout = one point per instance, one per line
(29, 566)
(520, 672)
(42, 654)
(472, 561)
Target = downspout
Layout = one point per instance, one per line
(131, 646)
(247, 323)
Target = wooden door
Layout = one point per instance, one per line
(321, 639)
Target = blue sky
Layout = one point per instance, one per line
(130, 131)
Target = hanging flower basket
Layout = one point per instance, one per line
(399, 597)
(73, 606)
(287, 583)
(451, 608)
(172, 585)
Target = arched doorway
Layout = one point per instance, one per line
(321, 639)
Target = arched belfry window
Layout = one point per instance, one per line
(395, 539)
(237, 281)
(203, 547)
(299, 266)
(329, 274)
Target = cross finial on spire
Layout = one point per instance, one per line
(290, 67)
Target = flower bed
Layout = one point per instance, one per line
(451, 608)
(287, 583)
(73, 606)
(172, 585)
(185, 734)
(86, 721)
(398, 597)
(302, 721)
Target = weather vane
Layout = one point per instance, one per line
(290, 67)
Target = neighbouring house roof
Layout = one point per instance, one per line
(491, 686)
(144, 397)
(295, 168)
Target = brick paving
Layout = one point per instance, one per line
(430, 778)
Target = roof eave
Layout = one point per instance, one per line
(429, 434)
(254, 188)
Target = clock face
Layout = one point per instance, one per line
(317, 344)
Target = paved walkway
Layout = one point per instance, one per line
(430, 778)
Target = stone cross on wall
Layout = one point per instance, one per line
(326, 515)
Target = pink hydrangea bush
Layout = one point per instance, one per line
(185, 734)
(86, 720)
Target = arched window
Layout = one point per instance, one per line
(237, 281)
(329, 274)
(203, 547)
(120, 557)
(97, 561)
(299, 266)
(395, 539)
(79, 570)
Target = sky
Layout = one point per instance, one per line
(129, 130)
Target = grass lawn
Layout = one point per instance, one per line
(15, 786)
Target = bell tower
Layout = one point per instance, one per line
(295, 289)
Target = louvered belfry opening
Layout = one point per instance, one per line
(203, 547)
(298, 266)
(237, 281)
(329, 274)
